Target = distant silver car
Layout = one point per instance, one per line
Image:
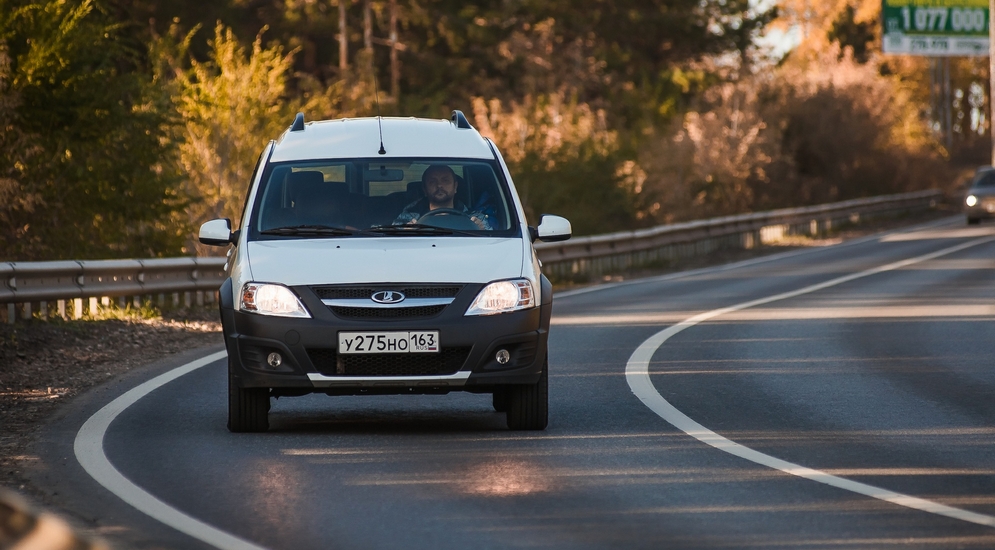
(980, 200)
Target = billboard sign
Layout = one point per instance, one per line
(937, 28)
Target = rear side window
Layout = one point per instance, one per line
(367, 194)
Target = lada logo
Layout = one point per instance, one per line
(387, 297)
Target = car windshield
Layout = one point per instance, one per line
(984, 179)
(371, 198)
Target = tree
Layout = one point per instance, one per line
(229, 107)
(850, 33)
(85, 156)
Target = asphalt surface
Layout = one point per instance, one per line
(886, 379)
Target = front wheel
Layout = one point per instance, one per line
(528, 405)
(973, 221)
(248, 408)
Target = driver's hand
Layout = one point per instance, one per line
(478, 221)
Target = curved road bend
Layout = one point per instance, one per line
(885, 380)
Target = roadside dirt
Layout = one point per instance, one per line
(43, 364)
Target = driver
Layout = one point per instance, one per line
(439, 184)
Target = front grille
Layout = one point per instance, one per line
(525, 354)
(446, 362)
(420, 312)
(253, 356)
(345, 292)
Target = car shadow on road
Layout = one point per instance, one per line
(386, 415)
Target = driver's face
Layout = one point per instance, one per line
(440, 188)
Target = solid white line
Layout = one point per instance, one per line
(637, 374)
(89, 448)
(753, 261)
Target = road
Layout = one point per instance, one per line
(771, 398)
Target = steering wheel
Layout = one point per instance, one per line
(448, 218)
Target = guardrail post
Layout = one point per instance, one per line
(11, 314)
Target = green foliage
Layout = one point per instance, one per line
(118, 137)
(229, 106)
(564, 159)
(84, 139)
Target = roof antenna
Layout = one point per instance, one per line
(382, 151)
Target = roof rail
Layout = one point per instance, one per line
(459, 120)
(298, 125)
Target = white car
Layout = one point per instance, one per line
(384, 256)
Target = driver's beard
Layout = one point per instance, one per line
(447, 202)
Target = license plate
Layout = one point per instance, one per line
(415, 341)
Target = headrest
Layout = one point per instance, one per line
(310, 185)
(301, 178)
(304, 184)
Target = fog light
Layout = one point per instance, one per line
(503, 356)
(274, 359)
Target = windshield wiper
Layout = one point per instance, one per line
(417, 229)
(326, 230)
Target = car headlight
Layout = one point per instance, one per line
(971, 200)
(502, 297)
(271, 299)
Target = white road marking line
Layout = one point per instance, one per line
(89, 443)
(753, 261)
(637, 374)
(89, 449)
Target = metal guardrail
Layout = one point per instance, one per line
(24, 283)
(55, 283)
(582, 258)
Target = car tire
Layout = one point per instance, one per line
(973, 221)
(500, 400)
(248, 408)
(528, 405)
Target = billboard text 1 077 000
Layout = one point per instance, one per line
(935, 27)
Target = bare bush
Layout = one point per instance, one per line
(828, 130)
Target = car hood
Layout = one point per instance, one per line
(385, 259)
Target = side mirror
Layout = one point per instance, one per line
(553, 229)
(216, 232)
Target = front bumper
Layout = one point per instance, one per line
(984, 208)
(978, 212)
(311, 363)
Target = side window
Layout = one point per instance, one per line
(252, 180)
(485, 195)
